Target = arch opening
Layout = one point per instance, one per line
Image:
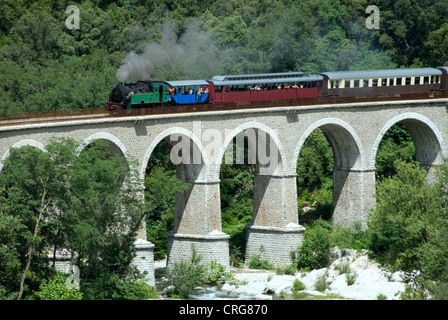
(252, 159)
(174, 169)
(332, 188)
(408, 137)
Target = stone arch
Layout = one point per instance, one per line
(22, 143)
(198, 149)
(104, 136)
(349, 185)
(429, 144)
(282, 169)
(347, 147)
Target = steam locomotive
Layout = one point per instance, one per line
(252, 88)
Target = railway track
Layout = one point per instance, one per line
(98, 113)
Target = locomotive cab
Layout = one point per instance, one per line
(137, 94)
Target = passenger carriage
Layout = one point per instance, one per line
(189, 91)
(265, 87)
(381, 82)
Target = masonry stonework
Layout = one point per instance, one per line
(353, 130)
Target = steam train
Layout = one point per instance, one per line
(253, 88)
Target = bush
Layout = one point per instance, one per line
(321, 284)
(350, 278)
(353, 237)
(297, 286)
(185, 276)
(255, 262)
(217, 273)
(134, 290)
(56, 289)
(315, 250)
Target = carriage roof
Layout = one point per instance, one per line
(382, 73)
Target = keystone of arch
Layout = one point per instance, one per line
(401, 117)
(22, 143)
(330, 121)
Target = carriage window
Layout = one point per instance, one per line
(356, 84)
(425, 80)
(374, 82)
(408, 81)
(218, 89)
(188, 90)
(399, 81)
(347, 84)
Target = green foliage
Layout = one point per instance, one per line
(55, 200)
(409, 225)
(353, 237)
(133, 290)
(350, 278)
(321, 284)
(396, 145)
(184, 276)
(217, 273)
(315, 177)
(398, 236)
(289, 269)
(297, 286)
(315, 250)
(255, 262)
(45, 66)
(161, 188)
(56, 289)
(411, 293)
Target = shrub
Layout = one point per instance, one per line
(256, 262)
(350, 278)
(381, 297)
(344, 267)
(56, 289)
(289, 269)
(297, 286)
(315, 250)
(134, 290)
(185, 276)
(217, 272)
(321, 284)
(353, 237)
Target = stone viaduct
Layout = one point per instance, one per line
(354, 131)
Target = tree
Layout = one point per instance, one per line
(27, 179)
(409, 224)
(87, 204)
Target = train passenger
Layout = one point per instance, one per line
(199, 94)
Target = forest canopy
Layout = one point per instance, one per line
(44, 65)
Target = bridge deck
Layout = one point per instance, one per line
(97, 113)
